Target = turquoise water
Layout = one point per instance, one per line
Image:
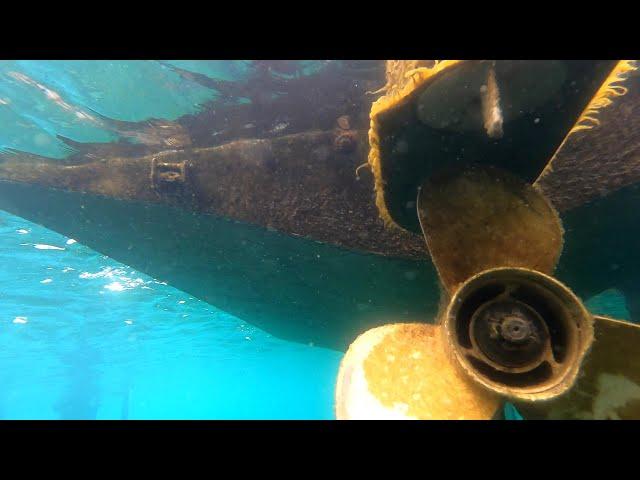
(85, 337)
(81, 99)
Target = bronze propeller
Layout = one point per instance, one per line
(507, 330)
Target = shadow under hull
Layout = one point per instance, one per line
(294, 288)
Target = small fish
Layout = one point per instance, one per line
(279, 127)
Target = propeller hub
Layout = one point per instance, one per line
(518, 332)
(509, 333)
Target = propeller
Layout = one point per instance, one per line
(507, 329)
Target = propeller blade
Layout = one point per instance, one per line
(483, 218)
(609, 384)
(403, 371)
(601, 153)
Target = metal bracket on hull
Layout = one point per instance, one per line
(168, 178)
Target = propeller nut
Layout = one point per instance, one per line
(510, 334)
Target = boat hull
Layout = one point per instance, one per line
(294, 288)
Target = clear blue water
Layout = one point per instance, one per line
(85, 337)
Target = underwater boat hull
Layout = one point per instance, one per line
(299, 289)
(294, 288)
(304, 185)
(280, 232)
(164, 215)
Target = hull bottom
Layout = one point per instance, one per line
(294, 288)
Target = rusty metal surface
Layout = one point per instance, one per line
(303, 185)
